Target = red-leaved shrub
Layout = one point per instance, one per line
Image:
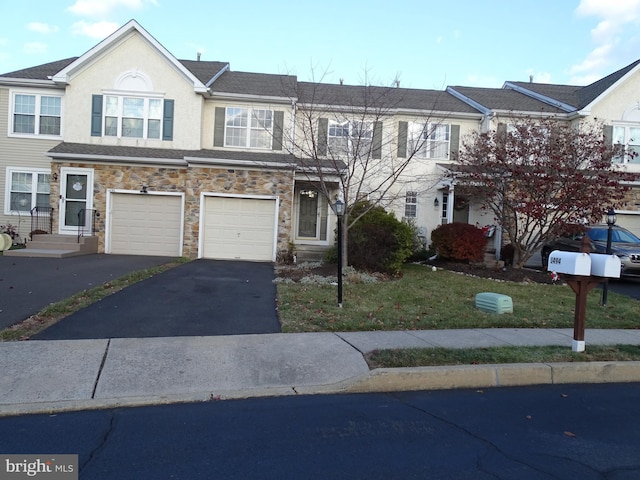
(459, 242)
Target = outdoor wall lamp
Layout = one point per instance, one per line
(436, 202)
(55, 177)
(338, 208)
(143, 189)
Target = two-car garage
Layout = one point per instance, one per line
(232, 227)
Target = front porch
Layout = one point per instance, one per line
(56, 246)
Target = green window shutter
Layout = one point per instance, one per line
(96, 115)
(278, 130)
(167, 120)
(403, 128)
(608, 134)
(218, 127)
(454, 142)
(323, 132)
(376, 147)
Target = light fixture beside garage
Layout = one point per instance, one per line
(144, 189)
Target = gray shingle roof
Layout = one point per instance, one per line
(75, 150)
(40, 72)
(203, 71)
(578, 96)
(260, 84)
(505, 99)
(381, 97)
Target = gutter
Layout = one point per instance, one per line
(179, 162)
(244, 163)
(23, 82)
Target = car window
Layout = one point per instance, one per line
(624, 236)
(598, 235)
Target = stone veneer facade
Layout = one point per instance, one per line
(190, 180)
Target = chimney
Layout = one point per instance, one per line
(530, 78)
(199, 54)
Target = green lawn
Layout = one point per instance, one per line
(422, 299)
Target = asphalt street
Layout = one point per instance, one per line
(199, 298)
(538, 433)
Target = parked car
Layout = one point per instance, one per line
(624, 244)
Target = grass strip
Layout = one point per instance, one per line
(426, 357)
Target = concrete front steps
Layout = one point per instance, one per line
(56, 246)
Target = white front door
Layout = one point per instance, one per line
(76, 199)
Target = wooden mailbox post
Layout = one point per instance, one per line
(583, 271)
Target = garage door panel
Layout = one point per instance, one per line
(630, 222)
(239, 228)
(145, 224)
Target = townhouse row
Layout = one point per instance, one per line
(189, 158)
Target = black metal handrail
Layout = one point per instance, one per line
(86, 222)
(41, 220)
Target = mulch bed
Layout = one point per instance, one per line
(510, 274)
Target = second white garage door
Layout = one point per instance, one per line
(630, 222)
(239, 228)
(146, 224)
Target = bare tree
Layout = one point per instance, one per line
(348, 139)
(539, 176)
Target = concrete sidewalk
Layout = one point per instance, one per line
(60, 375)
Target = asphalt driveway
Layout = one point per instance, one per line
(27, 285)
(199, 298)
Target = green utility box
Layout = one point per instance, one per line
(494, 302)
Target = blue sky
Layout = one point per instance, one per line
(425, 43)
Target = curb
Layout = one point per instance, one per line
(378, 380)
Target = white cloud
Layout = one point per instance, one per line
(617, 21)
(100, 8)
(596, 60)
(97, 30)
(43, 28)
(34, 48)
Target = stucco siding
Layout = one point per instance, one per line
(133, 56)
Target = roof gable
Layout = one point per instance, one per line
(574, 97)
(132, 27)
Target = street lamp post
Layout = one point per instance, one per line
(338, 208)
(611, 221)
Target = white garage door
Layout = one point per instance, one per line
(630, 222)
(239, 228)
(145, 224)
